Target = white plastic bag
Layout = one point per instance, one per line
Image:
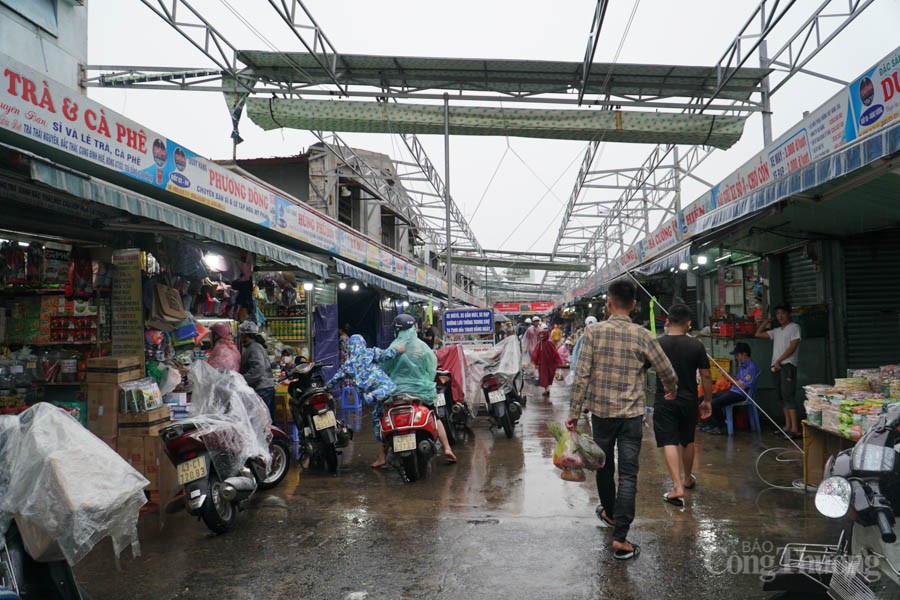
(228, 413)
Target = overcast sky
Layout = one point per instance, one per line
(533, 173)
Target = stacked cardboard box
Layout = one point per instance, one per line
(134, 435)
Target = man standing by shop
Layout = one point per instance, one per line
(785, 357)
(674, 423)
(428, 334)
(609, 383)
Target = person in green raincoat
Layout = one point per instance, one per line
(413, 372)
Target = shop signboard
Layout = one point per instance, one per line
(127, 304)
(666, 236)
(45, 111)
(468, 321)
(421, 277)
(631, 258)
(515, 308)
(869, 103)
(42, 110)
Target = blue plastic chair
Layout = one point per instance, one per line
(350, 398)
(752, 413)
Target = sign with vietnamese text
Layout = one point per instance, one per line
(468, 320)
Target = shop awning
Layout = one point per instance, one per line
(417, 297)
(560, 124)
(667, 261)
(97, 190)
(371, 278)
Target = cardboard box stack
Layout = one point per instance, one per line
(126, 411)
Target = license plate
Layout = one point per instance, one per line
(440, 401)
(324, 421)
(496, 396)
(191, 470)
(404, 443)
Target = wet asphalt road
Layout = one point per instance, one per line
(499, 524)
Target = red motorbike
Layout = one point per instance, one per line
(410, 437)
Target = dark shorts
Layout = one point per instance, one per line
(674, 422)
(786, 386)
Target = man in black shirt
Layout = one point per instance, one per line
(428, 335)
(674, 422)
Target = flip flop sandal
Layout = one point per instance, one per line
(604, 519)
(626, 554)
(450, 460)
(693, 482)
(673, 501)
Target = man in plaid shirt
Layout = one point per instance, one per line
(609, 384)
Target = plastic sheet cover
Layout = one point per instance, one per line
(229, 415)
(63, 484)
(413, 371)
(452, 358)
(503, 359)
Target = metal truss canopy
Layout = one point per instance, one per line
(516, 77)
(519, 263)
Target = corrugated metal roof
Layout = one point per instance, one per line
(503, 76)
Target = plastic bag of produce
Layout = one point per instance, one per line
(591, 454)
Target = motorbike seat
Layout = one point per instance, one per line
(403, 400)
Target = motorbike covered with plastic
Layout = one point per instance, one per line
(66, 488)
(413, 371)
(453, 359)
(503, 359)
(229, 415)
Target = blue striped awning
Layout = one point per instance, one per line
(90, 188)
(371, 278)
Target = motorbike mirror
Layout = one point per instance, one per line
(833, 497)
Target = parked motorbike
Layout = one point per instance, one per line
(503, 399)
(866, 479)
(312, 408)
(410, 437)
(453, 413)
(22, 577)
(227, 449)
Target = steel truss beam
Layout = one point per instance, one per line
(643, 184)
(593, 39)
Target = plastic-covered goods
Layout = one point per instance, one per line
(413, 371)
(229, 414)
(65, 487)
(503, 359)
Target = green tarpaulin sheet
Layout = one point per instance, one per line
(610, 126)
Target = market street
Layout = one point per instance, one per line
(499, 524)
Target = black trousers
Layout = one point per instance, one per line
(626, 435)
(720, 401)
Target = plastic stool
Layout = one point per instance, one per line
(352, 403)
(752, 413)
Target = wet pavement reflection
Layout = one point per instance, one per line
(498, 524)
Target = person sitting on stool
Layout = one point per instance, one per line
(746, 378)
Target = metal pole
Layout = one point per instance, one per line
(764, 84)
(447, 197)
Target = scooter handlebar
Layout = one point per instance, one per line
(884, 525)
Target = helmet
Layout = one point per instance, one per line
(528, 320)
(248, 327)
(221, 329)
(403, 321)
(590, 320)
(538, 319)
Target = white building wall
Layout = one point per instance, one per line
(60, 56)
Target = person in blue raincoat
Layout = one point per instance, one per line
(414, 372)
(375, 386)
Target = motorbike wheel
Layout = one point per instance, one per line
(281, 460)
(329, 453)
(218, 513)
(450, 430)
(411, 467)
(507, 423)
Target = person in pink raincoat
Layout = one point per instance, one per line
(224, 353)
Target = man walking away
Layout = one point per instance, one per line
(674, 422)
(609, 383)
(747, 376)
(785, 358)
